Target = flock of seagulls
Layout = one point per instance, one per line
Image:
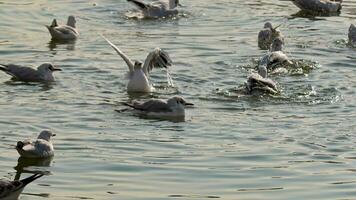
(270, 38)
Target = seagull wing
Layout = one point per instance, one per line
(151, 106)
(139, 4)
(21, 72)
(128, 61)
(157, 58)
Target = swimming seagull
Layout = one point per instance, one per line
(43, 73)
(139, 73)
(173, 107)
(157, 9)
(319, 6)
(258, 82)
(11, 190)
(63, 32)
(267, 35)
(275, 57)
(352, 35)
(42, 147)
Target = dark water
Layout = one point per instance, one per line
(299, 145)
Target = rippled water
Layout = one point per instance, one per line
(299, 145)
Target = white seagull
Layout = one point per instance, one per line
(11, 190)
(319, 6)
(42, 147)
(173, 107)
(139, 73)
(352, 35)
(63, 32)
(157, 9)
(43, 73)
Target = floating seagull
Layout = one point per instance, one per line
(11, 190)
(157, 9)
(43, 73)
(139, 73)
(319, 6)
(267, 35)
(42, 147)
(260, 83)
(275, 57)
(63, 32)
(173, 107)
(352, 35)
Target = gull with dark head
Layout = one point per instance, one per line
(173, 107)
(157, 9)
(42, 147)
(352, 35)
(267, 35)
(139, 72)
(64, 32)
(319, 6)
(43, 73)
(11, 190)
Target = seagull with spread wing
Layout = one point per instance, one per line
(139, 72)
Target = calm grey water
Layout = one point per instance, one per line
(300, 145)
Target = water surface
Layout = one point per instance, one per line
(299, 145)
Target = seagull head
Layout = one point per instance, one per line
(174, 3)
(71, 21)
(268, 25)
(138, 65)
(48, 68)
(46, 135)
(178, 101)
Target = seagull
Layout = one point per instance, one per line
(173, 107)
(42, 147)
(157, 9)
(43, 73)
(63, 32)
(259, 82)
(319, 6)
(11, 190)
(139, 73)
(267, 35)
(275, 57)
(352, 35)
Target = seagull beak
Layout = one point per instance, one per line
(189, 104)
(56, 69)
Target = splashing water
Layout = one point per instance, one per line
(169, 79)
